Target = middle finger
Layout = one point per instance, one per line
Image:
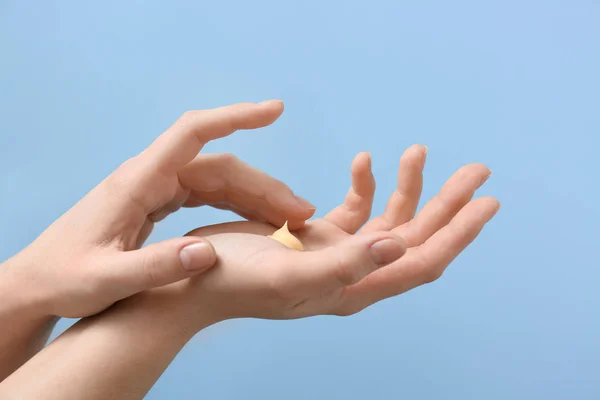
(440, 210)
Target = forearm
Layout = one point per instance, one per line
(118, 354)
(20, 340)
(24, 330)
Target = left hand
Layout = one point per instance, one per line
(339, 273)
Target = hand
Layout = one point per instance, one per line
(342, 271)
(91, 257)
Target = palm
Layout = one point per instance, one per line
(445, 226)
(239, 242)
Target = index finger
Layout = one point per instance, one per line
(226, 182)
(180, 144)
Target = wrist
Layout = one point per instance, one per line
(24, 328)
(164, 313)
(18, 295)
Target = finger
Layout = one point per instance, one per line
(444, 246)
(227, 182)
(181, 143)
(157, 265)
(343, 264)
(177, 201)
(453, 196)
(356, 209)
(242, 213)
(257, 218)
(403, 203)
(425, 263)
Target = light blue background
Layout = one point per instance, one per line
(514, 84)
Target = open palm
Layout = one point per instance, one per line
(271, 281)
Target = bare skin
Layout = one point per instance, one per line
(92, 256)
(445, 226)
(255, 276)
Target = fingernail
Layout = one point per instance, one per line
(486, 177)
(369, 160)
(197, 257)
(305, 203)
(387, 251)
(271, 101)
(497, 208)
(426, 149)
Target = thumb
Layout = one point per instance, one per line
(161, 263)
(347, 262)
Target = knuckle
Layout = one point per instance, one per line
(188, 116)
(448, 198)
(127, 183)
(462, 230)
(280, 187)
(120, 177)
(227, 159)
(345, 273)
(428, 270)
(189, 122)
(228, 164)
(149, 269)
(414, 230)
(432, 274)
(348, 309)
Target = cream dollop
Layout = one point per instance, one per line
(285, 237)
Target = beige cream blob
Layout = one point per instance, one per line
(285, 237)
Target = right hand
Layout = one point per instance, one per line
(92, 257)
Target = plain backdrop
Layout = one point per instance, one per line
(514, 84)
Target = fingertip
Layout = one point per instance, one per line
(485, 207)
(414, 153)
(294, 225)
(495, 205)
(296, 210)
(271, 101)
(361, 161)
(369, 161)
(488, 174)
(361, 172)
(481, 168)
(304, 204)
(277, 104)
